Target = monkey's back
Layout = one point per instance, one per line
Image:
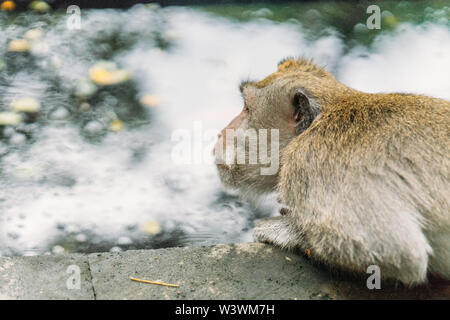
(375, 167)
(405, 137)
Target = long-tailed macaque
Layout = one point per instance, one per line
(363, 178)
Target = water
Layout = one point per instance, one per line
(71, 181)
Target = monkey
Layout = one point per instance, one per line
(363, 177)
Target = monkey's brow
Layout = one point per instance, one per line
(243, 84)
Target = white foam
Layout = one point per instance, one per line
(415, 59)
(102, 188)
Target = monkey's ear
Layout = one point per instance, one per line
(303, 113)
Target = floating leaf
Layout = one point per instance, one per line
(150, 100)
(33, 34)
(10, 118)
(8, 6)
(40, 6)
(25, 105)
(18, 45)
(105, 73)
(151, 227)
(116, 125)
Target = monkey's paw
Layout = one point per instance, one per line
(279, 231)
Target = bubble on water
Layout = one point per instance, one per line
(93, 127)
(72, 228)
(40, 48)
(30, 253)
(33, 34)
(124, 241)
(85, 89)
(17, 139)
(85, 106)
(386, 14)
(314, 14)
(115, 249)
(57, 63)
(57, 249)
(60, 113)
(81, 237)
(360, 28)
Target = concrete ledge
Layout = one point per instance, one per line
(237, 271)
(43, 277)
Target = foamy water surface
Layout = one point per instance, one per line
(61, 191)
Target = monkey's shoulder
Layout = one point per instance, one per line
(372, 127)
(363, 113)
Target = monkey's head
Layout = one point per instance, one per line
(276, 110)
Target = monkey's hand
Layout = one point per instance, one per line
(279, 231)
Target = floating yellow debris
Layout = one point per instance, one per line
(18, 45)
(106, 73)
(33, 34)
(25, 105)
(116, 125)
(390, 21)
(8, 6)
(151, 227)
(150, 100)
(308, 253)
(10, 118)
(40, 6)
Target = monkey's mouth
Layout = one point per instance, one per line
(227, 174)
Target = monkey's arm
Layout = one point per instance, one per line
(279, 231)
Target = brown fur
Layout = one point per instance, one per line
(366, 183)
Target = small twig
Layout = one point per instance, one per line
(155, 282)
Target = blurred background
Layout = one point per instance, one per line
(89, 101)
